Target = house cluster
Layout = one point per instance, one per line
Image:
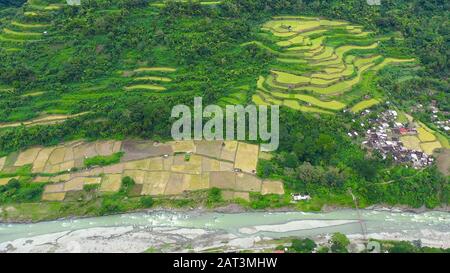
(438, 118)
(443, 124)
(384, 136)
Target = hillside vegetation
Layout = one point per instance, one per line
(114, 70)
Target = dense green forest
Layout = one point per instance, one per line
(79, 63)
(12, 3)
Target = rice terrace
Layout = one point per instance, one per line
(318, 63)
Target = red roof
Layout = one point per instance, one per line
(403, 130)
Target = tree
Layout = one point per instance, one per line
(339, 243)
(303, 245)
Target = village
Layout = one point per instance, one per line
(386, 135)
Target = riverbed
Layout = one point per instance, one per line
(168, 231)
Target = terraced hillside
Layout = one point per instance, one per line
(149, 78)
(33, 25)
(318, 63)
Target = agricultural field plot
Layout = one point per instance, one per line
(319, 61)
(411, 142)
(44, 5)
(44, 120)
(360, 106)
(425, 140)
(246, 157)
(160, 168)
(149, 78)
(62, 158)
(162, 4)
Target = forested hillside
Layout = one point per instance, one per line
(12, 3)
(114, 69)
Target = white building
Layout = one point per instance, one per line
(73, 2)
(299, 197)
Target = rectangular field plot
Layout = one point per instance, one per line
(246, 182)
(54, 196)
(222, 180)
(59, 178)
(111, 183)
(135, 150)
(226, 166)
(155, 183)
(57, 156)
(41, 160)
(116, 168)
(209, 148)
(105, 147)
(52, 188)
(246, 157)
(91, 180)
(66, 166)
(196, 181)
(142, 164)
(69, 155)
(193, 166)
(411, 142)
(272, 187)
(75, 184)
(210, 165)
(27, 157)
(167, 163)
(183, 146)
(229, 150)
(176, 185)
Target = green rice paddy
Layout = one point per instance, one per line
(319, 62)
(148, 78)
(362, 105)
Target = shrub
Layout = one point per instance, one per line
(127, 185)
(146, 202)
(103, 160)
(16, 191)
(110, 205)
(214, 196)
(91, 187)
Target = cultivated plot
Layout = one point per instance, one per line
(159, 169)
(318, 62)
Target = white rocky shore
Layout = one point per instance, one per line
(131, 239)
(134, 239)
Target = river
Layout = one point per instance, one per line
(201, 231)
